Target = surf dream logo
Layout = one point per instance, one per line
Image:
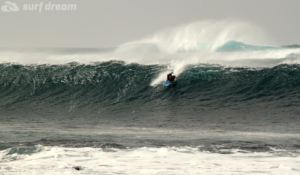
(12, 7)
(9, 7)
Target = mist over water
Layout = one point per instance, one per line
(228, 43)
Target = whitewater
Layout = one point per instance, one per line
(234, 109)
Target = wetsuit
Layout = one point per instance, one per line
(172, 79)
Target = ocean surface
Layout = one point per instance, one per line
(234, 109)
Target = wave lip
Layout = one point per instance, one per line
(227, 43)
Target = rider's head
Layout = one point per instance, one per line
(169, 76)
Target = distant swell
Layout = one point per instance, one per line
(232, 46)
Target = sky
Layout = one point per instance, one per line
(109, 23)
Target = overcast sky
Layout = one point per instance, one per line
(109, 23)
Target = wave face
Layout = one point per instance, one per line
(115, 88)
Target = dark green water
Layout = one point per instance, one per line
(59, 102)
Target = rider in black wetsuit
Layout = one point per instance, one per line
(171, 77)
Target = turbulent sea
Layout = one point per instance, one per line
(234, 109)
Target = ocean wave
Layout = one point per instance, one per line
(111, 83)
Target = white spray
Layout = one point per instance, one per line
(194, 43)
